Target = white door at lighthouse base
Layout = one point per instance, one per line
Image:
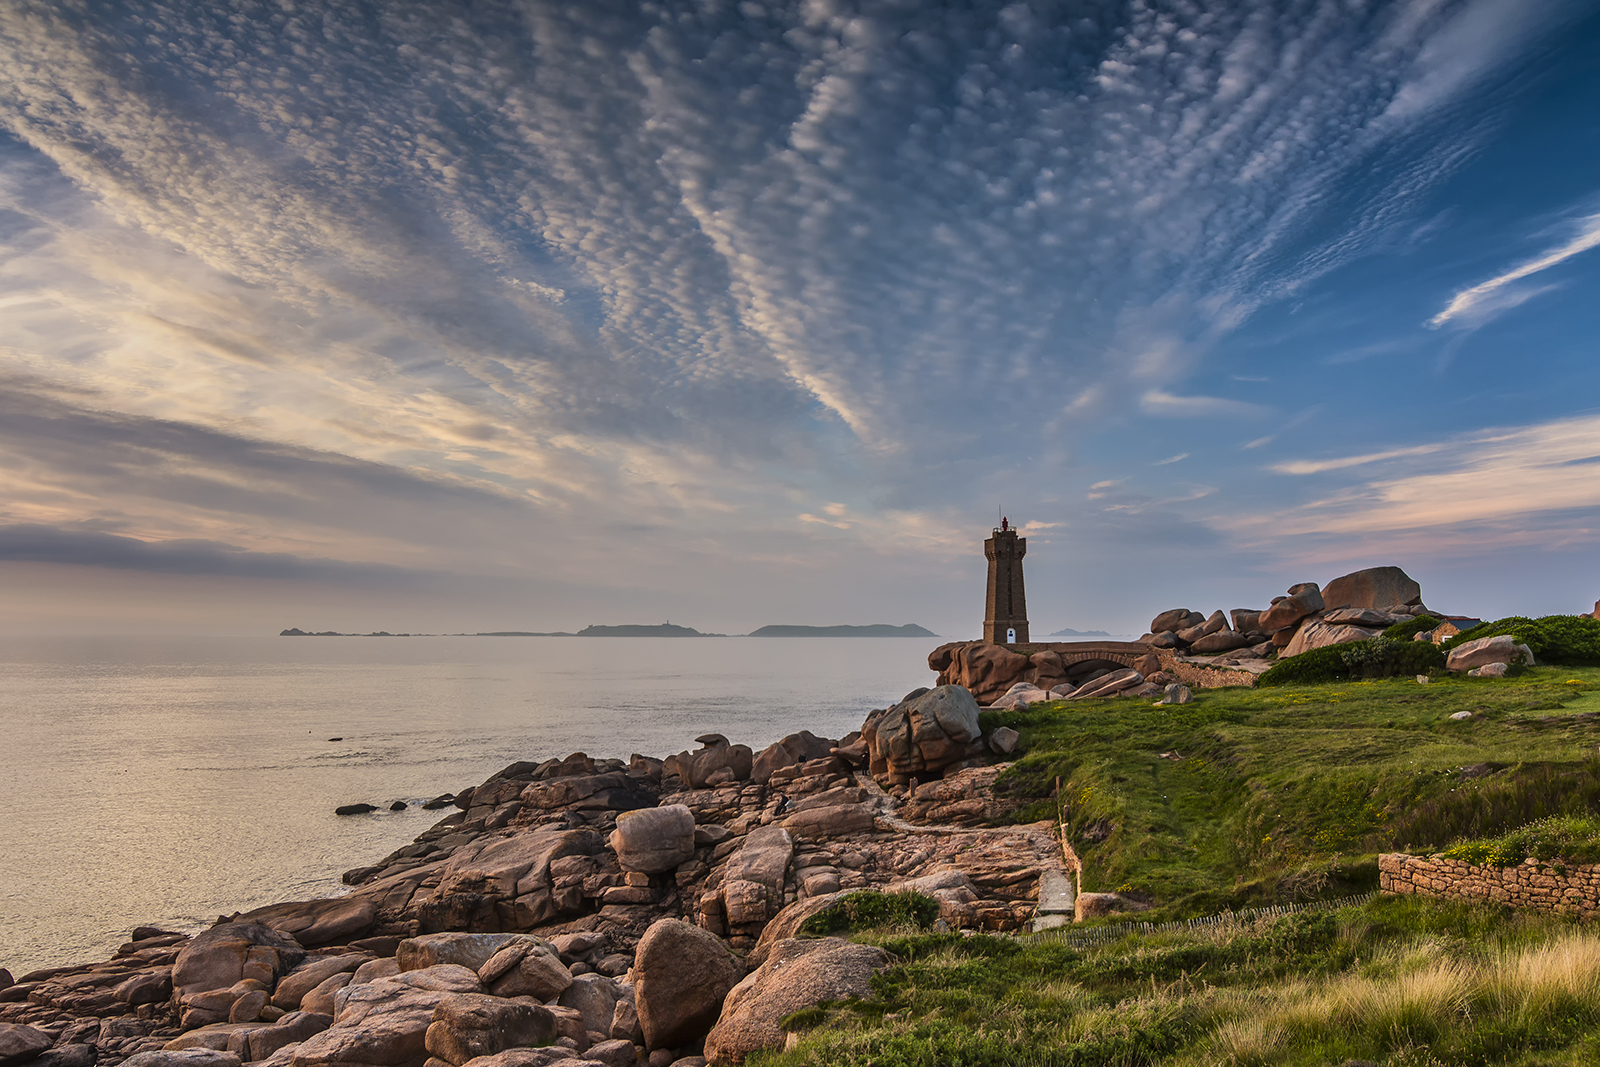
(1011, 637)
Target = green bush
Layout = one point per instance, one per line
(1405, 631)
(1558, 837)
(1563, 640)
(1377, 657)
(869, 909)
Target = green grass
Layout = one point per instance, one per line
(868, 909)
(1258, 796)
(1396, 981)
(1573, 838)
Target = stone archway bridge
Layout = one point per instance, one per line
(1124, 653)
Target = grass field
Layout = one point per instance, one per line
(1401, 982)
(1255, 796)
(1264, 796)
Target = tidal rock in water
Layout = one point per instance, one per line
(354, 809)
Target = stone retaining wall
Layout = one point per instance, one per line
(1530, 884)
(1197, 677)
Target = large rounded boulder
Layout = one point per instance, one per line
(654, 840)
(920, 737)
(797, 974)
(681, 976)
(1375, 587)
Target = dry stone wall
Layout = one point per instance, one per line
(1530, 884)
(1204, 677)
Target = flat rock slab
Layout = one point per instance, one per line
(1057, 894)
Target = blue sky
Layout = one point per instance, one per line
(491, 315)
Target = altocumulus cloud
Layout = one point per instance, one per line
(669, 266)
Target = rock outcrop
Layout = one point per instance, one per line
(654, 840)
(465, 1026)
(1376, 587)
(592, 903)
(1303, 600)
(984, 670)
(1352, 607)
(681, 976)
(1502, 649)
(922, 736)
(797, 974)
(225, 963)
(19, 1043)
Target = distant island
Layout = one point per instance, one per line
(874, 630)
(294, 632)
(521, 633)
(1080, 633)
(664, 629)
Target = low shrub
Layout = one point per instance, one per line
(1564, 640)
(1558, 837)
(1378, 657)
(872, 910)
(1405, 631)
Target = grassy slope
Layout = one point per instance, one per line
(1288, 793)
(1398, 982)
(1280, 794)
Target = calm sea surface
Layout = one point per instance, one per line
(167, 780)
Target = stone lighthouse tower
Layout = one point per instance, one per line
(1005, 612)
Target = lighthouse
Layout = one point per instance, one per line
(1005, 611)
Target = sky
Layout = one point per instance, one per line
(530, 315)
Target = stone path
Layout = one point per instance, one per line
(1057, 882)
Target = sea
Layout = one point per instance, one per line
(165, 781)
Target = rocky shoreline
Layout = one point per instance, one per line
(582, 911)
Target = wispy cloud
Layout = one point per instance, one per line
(1170, 459)
(1489, 296)
(1503, 483)
(1160, 402)
(1318, 466)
